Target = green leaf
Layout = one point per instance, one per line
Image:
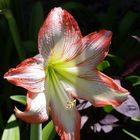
(36, 132)
(19, 98)
(114, 59)
(134, 79)
(105, 64)
(15, 34)
(37, 17)
(135, 119)
(108, 108)
(19, 9)
(126, 24)
(130, 134)
(48, 131)
(5, 4)
(11, 132)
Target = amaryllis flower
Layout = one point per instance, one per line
(65, 69)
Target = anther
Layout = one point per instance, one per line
(70, 104)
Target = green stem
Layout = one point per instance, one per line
(36, 132)
(15, 34)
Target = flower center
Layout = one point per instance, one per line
(61, 67)
(56, 72)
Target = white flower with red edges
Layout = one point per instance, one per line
(65, 69)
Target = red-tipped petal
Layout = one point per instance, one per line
(63, 110)
(66, 121)
(59, 35)
(29, 74)
(36, 110)
(97, 88)
(95, 49)
(106, 90)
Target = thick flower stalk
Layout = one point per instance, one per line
(65, 69)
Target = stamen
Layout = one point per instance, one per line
(70, 104)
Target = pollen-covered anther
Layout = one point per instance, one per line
(70, 104)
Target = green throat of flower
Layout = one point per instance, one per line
(56, 72)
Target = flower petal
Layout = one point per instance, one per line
(59, 35)
(63, 110)
(29, 74)
(67, 122)
(36, 110)
(97, 88)
(95, 49)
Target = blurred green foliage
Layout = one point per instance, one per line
(11, 132)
